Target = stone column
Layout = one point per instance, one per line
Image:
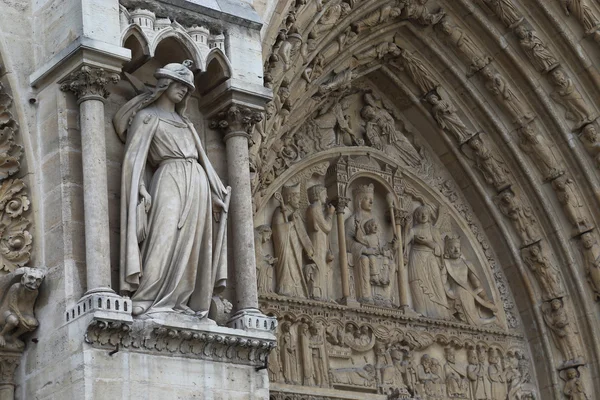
(9, 361)
(89, 86)
(340, 206)
(236, 122)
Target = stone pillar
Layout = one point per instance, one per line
(9, 361)
(236, 122)
(340, 206)
(89, 85)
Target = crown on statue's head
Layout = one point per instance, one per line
(363, 189)
(451, 238)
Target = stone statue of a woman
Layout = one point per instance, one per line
(171, 245)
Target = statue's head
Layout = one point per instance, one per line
(426, 360)
(452, 247)
(264, 232)
(179, 73)
(572, 373)
(521, 32)
(423, 214)
(472, 356)
(590, 133)
(317, 193)
(450, 354)
(363, 196)
(371, 226)
(433, 99)
(559, 77)
(32, 278)
(291, 196)
(556, 304)
(588, 240)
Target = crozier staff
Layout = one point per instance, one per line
(170, 245)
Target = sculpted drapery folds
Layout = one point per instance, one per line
(567, 95)
(500, 88)
(497, 377)
(457, 384)
(445, 116)
(591, 142)
(537, 147)
(574, 388)
(505, 10)
(572, 203)
(591, 259)
(289, 355)
(492, 168)
(545, 272)
(264, 262)
(426, 273)
(537, 52)
(416, 70)
(564, 332)
(521, 217)
(456, 37)
(171, 247)
(581, 10)
(465, 291)
(319, 218)
(290, 240)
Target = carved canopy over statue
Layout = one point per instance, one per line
(173, 252)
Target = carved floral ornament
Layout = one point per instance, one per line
(314, 111)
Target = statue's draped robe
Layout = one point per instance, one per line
(426, 275)
(289, 239)
(182, 253)
(464, 287)
(319, 226)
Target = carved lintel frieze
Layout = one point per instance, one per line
(210, 343)
(89, 82)
(236, 120)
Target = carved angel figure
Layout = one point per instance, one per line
(565, 334)
(465, 290)
(290, 239)
(426, 273)
(500, 88)
(493, 169)
(445, 115)
(505, 10)
(591, 257)
(535, 49)
(537, 147)
(568, 96)
(591, 141)
(569, 198)
(19, 291)
(574, 388)
(522, 217)
(173, 251)
(544, 270)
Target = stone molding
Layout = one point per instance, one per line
(202, 341)
(89, 82)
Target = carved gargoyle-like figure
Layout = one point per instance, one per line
(564, 332)
(591, 259)
(537, 52)
(18, 291)
(545, 272)
(568, 96)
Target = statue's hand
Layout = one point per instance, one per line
(146, 196)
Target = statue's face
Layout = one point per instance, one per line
(571, 373)
(323, 196)
(366, 203)
(270, 110)
(371, 227)
(450, 356)
(422, 215)
(433, 100)
(32, 280)
(556, 305)
(293, 200)
(520, 32)
(587, 240)
(590, 133)
(559, 77)
(267, 236)
(453, 249)
(176, 92)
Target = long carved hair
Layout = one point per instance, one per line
(124, 117)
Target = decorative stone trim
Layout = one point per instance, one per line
(202, 341)
(89, 82)
(253, 321)
(103, 305)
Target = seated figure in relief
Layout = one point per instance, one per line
(380, 257)
(464, 289)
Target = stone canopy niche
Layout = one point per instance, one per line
(377, 271)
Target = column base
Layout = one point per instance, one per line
(102, 304)
(252, 320)
(349, 301)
